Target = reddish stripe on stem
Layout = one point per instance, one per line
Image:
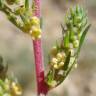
(37, 9)
(41, 86)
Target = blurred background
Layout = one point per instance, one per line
(16, 49)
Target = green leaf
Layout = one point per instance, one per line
(66, 40)
(1, 83)
(67, 61)
(49, 77)
(70, 68)
(85, 30)
(71, 35)
(1, 4)
(27, 5)
(33, 6)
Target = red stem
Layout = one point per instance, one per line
(41, 85)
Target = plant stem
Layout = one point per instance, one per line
(41, 86)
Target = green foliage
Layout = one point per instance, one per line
(8, 86)
(74, 31)
(18, 11)
(11, 2)
(3, 69)
(22, 15)
(27, 4)
(85, 30)
(67, 61)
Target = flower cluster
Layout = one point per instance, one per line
(22, 16)
(58, 58)
(10, 87)
(35, 30)
(63, 56)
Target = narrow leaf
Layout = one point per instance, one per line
(67, 61)
(27, 5)
(70, 68)
(1, 83)
(1, 4)
(66, 40)
(83, 37)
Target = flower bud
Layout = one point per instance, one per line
(61, 64)
(79, 25)
(72, 38)
(35, 32)
(35, 21)
(76, 43)
(54, 61)
(59, 56)
(16, 89)
(79, 18)
(54, 51)
(56, 66)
